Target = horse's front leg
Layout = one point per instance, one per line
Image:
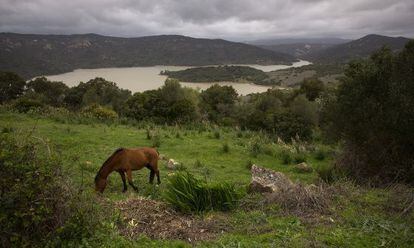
(129, 175)
(123, 180)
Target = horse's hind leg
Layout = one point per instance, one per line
(123, 180)
(152, 173)
(157, 172)
(151, 177)
(129, 175)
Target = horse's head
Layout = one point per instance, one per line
(100, 184)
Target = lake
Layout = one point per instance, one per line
(138, 79)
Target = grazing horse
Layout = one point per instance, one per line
(125, 160)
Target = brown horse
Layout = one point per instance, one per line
(125, 160)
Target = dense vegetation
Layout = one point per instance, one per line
(39, 203)
(35, 55)
(373, 113)
(221, 74)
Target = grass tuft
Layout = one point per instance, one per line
(188, 194)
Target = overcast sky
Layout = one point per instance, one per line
(228, 19)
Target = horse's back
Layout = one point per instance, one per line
(144, 154)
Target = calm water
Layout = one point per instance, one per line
(138, 79)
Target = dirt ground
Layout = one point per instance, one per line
(158, 221)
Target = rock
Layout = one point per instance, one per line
(172, 164)
(267, 180)
(303, 168)
(258, 187)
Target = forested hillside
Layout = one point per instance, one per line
(34, 55)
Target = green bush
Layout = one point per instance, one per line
(24, 105)
(99, 112)
(188, 194)
(329, 173)
(299, 157)
(320, 154)
(11, 86)
(38, 204)
(33, 195)
(286, 157)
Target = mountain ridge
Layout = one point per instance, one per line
(32, 54)
(358, 48)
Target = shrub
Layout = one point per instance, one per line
(99, 112)
(188, 194)
(329, 173)
(320, 154)
(33, 195)
(38, 205)
(299, 157)
(11, 86)
(24, 105)
(286, 157)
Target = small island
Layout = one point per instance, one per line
(226, 73)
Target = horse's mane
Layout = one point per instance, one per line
(107, 161)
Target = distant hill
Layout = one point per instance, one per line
(32, 55)
(272, 42)
(297, 50)
(298, 47)
(359, 48)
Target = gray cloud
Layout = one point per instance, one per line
(229, 19)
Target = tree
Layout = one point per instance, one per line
(312, 88)
(218, 102)
(169, 104)
(48, 92)
(373, 113)
(11, 86)
(97, 91)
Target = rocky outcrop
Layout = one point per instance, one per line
(267, 180)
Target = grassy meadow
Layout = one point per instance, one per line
(358, 216)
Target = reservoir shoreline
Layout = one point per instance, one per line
(139, 79)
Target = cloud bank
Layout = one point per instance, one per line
(228, 19)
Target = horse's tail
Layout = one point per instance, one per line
(107, 161)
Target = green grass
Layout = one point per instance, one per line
(188, 194)
(361, 219)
